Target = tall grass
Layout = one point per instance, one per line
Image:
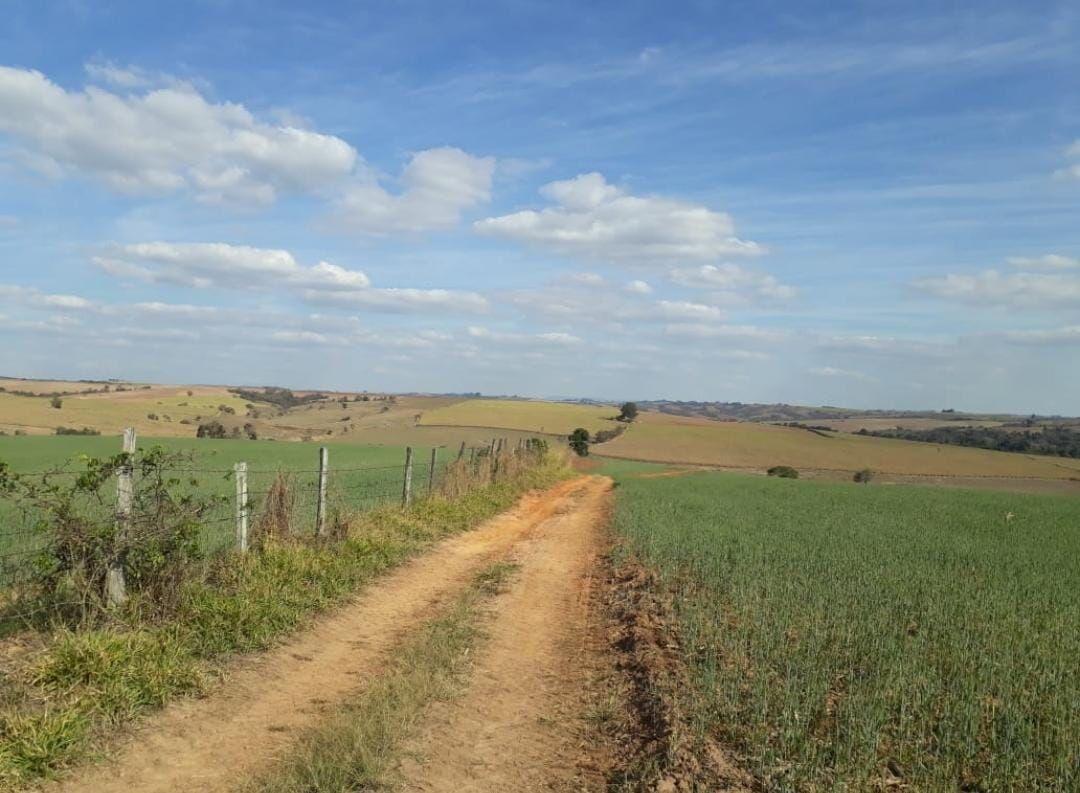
(847, 637)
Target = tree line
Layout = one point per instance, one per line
(1056, 440)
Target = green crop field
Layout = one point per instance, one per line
(847, 637)
(361, 476)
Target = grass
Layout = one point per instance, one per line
(848, 637)
(54, 707)
(674, 439)
(552, 418)
(357, 748)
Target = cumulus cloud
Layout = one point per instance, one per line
(1050, 261)
(638, 288)
(437, 187)
(1031, 288)
(731, 284)
(597, 220)
(164, 140)
(216, 264)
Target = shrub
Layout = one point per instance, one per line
(249, 430)
(628, 412)
(56, 402)
(783, 471)
(76, 431)
(863, 476)
(152, 416)
(579, 441)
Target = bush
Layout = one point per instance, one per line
(56, 402)
(76, 431)
(211, 429)
(863, 476)
(152, 416)
(154, 548)
(579, 441)
(628, 412)
(783, 471)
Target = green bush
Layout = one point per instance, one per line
(783, 471)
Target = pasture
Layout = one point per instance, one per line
(549, 418)
(854, 637)
(360, 477)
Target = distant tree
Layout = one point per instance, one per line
(863, 476)
(56, 402)
(628, 412)
(249, 430)
(152, 416)
(783, 471)
(211, 429)
(579, 441)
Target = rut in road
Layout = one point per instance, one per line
(518, 725)
(218, 743)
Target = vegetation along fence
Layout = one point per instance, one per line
(79, 538)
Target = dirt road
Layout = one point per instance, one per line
(522, 680)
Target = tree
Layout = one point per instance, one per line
(211, 429)
(628, 412)
(56, 402)
(783, 471)
(579, 441)
(863, 476)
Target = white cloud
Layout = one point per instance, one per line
(880, 346)
(556, 339)
(680, 310)
(395, 300)
(216, 264)
(692, 330)
(732, 283)
(1072, 170)
(1049, 338)
(125, 77)
(1022, 289)
(832, 371)
(638, 288)
(164, 140)
(438, 185)
(1049, 262)
(596, 220)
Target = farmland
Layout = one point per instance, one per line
(553, 418)
(758, 446)
(849, 637)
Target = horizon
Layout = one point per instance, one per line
(807, 205)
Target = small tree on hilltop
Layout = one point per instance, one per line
(579, 441)
(628, 412)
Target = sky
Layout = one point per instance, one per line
(874, 205)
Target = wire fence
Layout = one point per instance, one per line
(228, 506)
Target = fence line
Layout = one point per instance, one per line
(230, 520)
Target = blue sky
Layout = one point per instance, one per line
(867, 204)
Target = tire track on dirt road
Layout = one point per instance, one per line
(518, 727)
(219, 742)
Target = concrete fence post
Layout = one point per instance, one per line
(240, 472)
(324, 470)
(115, 585)
(406, 491)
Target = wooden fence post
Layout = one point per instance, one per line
(461, 451)
(240, 471)
(115, 585)
(324, 470)
(431, 471)
(406, 491)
